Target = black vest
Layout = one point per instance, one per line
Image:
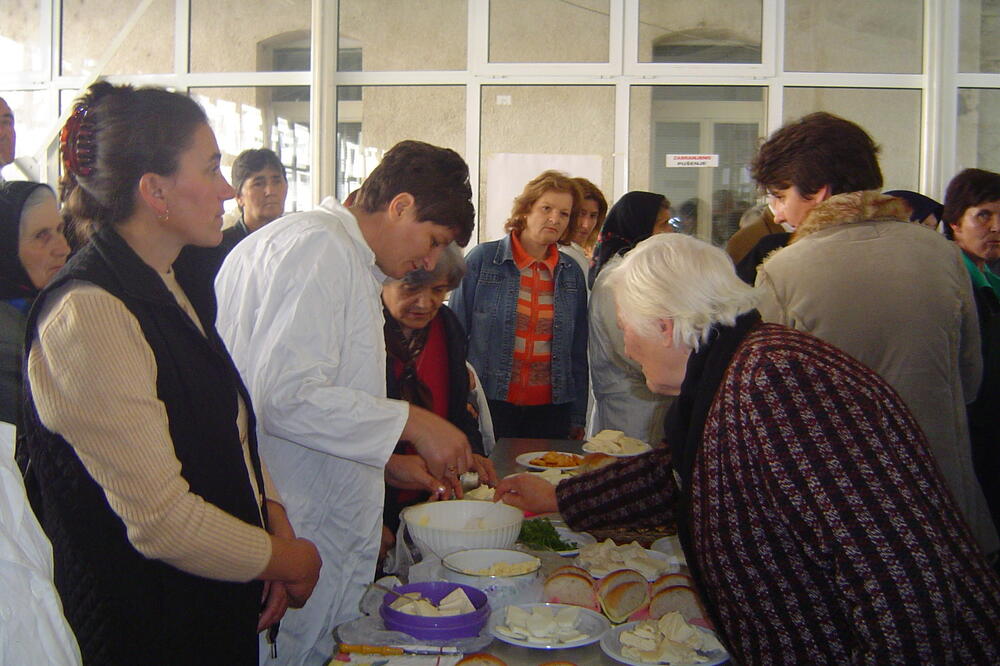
(123, 607)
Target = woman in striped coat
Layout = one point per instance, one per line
(813, 516)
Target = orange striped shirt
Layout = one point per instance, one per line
(530, 380)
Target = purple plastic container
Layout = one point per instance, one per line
(437, 628)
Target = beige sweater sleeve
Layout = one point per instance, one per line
(93, 378)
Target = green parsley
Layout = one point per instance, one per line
(539, 534)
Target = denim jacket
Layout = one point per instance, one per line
(486, 304)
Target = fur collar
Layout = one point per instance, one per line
(850, 208)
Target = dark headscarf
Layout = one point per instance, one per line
(14, 280)
(922, 205)
(629, 222)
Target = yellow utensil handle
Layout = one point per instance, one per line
(369, 649)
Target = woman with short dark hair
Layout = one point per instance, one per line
(972, 220)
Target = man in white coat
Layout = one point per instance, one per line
(301, 313)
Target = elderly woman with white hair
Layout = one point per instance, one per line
(813, 517)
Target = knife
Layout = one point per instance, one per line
(396, 649)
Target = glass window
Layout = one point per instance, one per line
(372, 119)
(693, 144)
(854, 36)
(979, 45)
(33, 120)
(21, 42)
(978, 130)
(275, 118)
(549, 31)
(719, 31)
(89, 26)
(403, 35)
(891, 117)
(528, 129)
(240, 36)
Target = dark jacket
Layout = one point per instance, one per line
(11, 338)
(458, 400)
(206, 261)
(123, 607)
(984, 412)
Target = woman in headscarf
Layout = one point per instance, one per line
(622, 401)
(32, 250)
(812, 513)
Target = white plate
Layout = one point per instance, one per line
(592, 449)
(581, 538)
(524, 460)
(671, 547)
(594, 625)
(612, 647)
(656, 555)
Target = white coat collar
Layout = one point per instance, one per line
(350, 223)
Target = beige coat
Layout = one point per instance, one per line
(894, 295)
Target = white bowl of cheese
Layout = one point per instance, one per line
(506, 576)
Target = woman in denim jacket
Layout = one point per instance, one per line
(524, 307)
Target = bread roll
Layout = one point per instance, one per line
(593, 461)
(621, 600)
(570, 588)
(670, 579)
(678, 598)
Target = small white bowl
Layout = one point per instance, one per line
(442, 528)
(460, 567)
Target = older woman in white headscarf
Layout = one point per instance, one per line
(813, 517)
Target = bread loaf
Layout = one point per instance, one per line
(570, 588)
(623, 599)
(678, 598)
(593, 461)
(668, 580)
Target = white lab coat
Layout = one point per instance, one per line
(622, 401)
(33, 629)
(301, 313)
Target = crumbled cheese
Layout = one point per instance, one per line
(507, 569)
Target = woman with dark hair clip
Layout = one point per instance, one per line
(166, 531)
(622, 401)
(32, 251)
(524, 307)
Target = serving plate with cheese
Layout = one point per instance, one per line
(615, 443)
(602, 558)
(547, 626)
(669, 640)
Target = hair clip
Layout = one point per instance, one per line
(76, 142)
